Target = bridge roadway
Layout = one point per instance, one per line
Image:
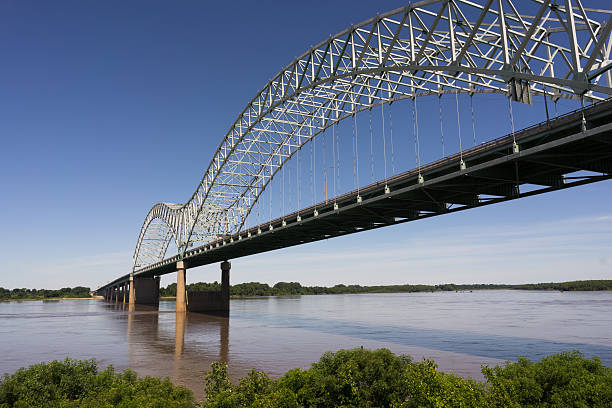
(549, 156)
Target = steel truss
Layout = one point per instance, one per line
(514, 48)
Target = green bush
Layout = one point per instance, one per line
(73, 383)
(346, 378)
(561, 380)
(363, 378)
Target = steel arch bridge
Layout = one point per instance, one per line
(432, 47)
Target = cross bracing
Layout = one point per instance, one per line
(431, 47)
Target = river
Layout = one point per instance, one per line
(460, 331)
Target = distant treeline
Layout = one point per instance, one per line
(295, 288)
(588, 285)
(23, 293)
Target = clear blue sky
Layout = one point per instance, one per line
(109, 107)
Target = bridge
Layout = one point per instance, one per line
(430, 49)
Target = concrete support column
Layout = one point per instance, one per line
(213, 302)
(146, 291)
(225, 272)
(132, 295)
(181, 298)
(125, 293)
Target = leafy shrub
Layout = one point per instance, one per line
(561, 380)
(74, 383)
(346, 378)
(363, 378)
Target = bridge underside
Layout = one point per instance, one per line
(550, 156)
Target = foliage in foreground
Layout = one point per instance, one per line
(73, 383)
(362, 378)
(347, 378)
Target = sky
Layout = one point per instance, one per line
(107, 108)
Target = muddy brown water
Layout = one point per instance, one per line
(460, 331)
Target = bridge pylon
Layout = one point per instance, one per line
(181, 293)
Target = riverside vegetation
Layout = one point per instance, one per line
(295, 288)
(29, 294)
(346, 378)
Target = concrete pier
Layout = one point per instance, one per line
(132, 295)
(125, 293)
(146, 291)
(181, 295)
(213, 302)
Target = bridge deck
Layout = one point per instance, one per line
(552, 155)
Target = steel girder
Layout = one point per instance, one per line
(430, 47)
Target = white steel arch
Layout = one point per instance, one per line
(519, 48)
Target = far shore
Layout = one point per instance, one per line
(63, 298)
(256, 289)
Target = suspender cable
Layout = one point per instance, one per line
(297, 166)
(325, 162)
(314, 169)
(441, 129)
(338, 163)
(391, 139)
(459, 126)
(270, 193)
(584, 124)
(546, 105)
(290, 187)
(382, 115)
(312, 192)
(356, 153)
(258, 203)
(354, 159)
(417, 147)
(511, 119)
(473, 122)
(371, 147)
(334, 157)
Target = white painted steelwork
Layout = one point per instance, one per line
(517, 48)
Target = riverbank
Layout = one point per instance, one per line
(51, 299)
(78, 292)
(357, 377)
(295, 288)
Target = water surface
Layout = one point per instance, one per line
(460, 331)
